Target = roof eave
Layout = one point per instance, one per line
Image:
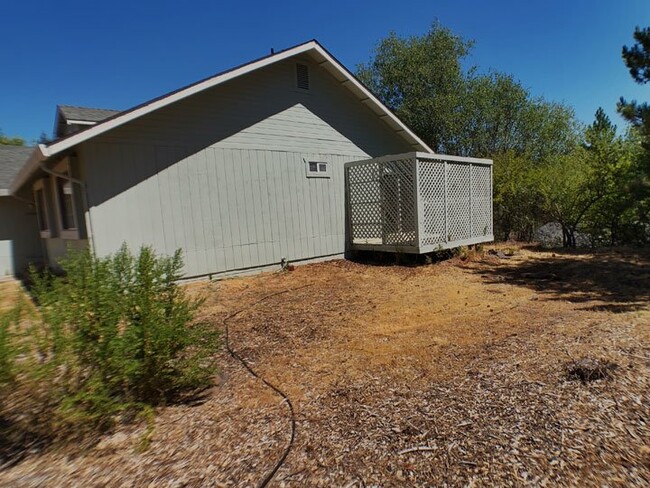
(39, 154)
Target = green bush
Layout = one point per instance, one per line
(121, 333)
(7, 351)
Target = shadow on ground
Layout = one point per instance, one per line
(618, 280)
(17, 441)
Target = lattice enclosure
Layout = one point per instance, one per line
(418, 202)
(381, 202)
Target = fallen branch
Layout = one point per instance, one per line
(468, 463)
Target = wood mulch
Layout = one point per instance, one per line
(527, 370)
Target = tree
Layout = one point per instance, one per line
(564, 184)
(516, 197)
(421, 79)
(11, 141)
(637, 57)
(43, 138)
(456, 110)
(587, 189)
(637, 60)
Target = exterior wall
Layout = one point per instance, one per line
(57, 248)
(19, 240)
(223, 175)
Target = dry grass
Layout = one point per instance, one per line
(455, 373)
(10, 293)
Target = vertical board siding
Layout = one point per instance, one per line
(221, 175)
(226, 208)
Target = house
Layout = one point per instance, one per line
(19, 241)
(241, 170)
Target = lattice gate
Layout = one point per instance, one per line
(418, 202)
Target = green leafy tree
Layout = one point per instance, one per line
(11, 141)
(458, 111)
(516, 197)
(587, 189)
(564, 185)
(421, 79)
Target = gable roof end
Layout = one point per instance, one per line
(313, 48)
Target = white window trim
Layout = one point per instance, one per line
(73, 233)
(317, 174)
(40, 186)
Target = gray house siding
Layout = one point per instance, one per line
(222, 174)
(19, 240)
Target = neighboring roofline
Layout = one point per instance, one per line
(121, 118)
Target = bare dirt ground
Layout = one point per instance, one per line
(452, 374)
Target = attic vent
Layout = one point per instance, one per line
(302, 76)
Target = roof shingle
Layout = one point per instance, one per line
(86, 114)
(12, 158)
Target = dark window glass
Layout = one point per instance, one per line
(64, 189)
(313, 167)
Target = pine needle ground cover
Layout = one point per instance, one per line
(460, 372)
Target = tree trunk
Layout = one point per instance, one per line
(572, 237)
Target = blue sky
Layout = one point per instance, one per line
(117, 54)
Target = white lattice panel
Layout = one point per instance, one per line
(481, 200)
(431, 185)
(458, 193)
(398, 202)
(364, 202)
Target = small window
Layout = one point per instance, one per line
(318, 169)
(302, 76)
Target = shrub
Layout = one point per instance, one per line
(121, 332)
(7, 351)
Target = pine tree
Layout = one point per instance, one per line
(637, 60)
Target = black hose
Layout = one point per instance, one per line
(236, 356)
